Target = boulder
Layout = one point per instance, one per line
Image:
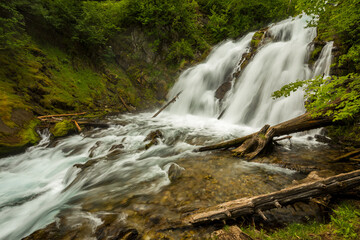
(175, 172)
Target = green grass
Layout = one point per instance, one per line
(344, 224)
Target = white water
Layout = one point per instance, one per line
(37, 185)
(249, 103)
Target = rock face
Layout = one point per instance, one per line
(17, 132)
(258, 40)
(222, 90)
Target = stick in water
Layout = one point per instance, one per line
(171, 101)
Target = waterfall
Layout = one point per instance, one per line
(281, 59)
(111, 171)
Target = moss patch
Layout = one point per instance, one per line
(16, 143)
(63, 128)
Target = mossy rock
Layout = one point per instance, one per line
(18, 142)
(63, 128)
(256, 39)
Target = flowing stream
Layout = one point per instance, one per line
(79, 180)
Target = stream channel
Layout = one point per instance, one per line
(104, 183)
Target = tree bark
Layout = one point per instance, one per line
(77, 125)
(166, 105)
(347, 155)
(124, 103)
(257, 204)
(302, 123)
(61, 115)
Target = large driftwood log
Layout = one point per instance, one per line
(257, 204)
(302, 123)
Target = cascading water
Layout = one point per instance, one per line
(279, 62)
(80, 180)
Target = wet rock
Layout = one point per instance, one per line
(322, 138)
(222, 90)
(230, 233)
(88, 164)
(93, 148)
(112, 228)
(114, 154)
(175, 172)
(115, 151)
(154, 134)
(115, 147)
(314, 176)
(153, 138)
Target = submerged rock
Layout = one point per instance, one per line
(175, 172)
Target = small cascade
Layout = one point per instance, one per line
(201, 81)
(282, 58)
(322, 65)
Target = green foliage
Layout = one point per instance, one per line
(11, 27)
(171, 25)
(338, 20)
(344, 221)
(99, 21)
(232, 18)
(344, 224)
(351, 60)
(337, 97)
(180, 50)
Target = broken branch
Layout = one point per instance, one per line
(61, 115)
(347, 156)
(166, 105)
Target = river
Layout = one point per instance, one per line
(105, 181)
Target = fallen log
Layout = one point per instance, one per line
(258, 204)
(347, 156)
(61, 115)
(354, 159)
(77, 125)
(124, 103)
(166, 105)
(301, 123)
(83, 123)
